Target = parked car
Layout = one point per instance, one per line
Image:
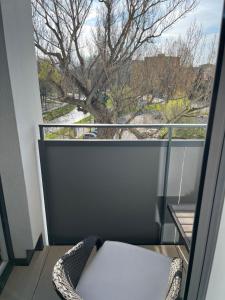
(95, 131)
(89, 136)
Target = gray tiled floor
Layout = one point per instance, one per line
(34, 282)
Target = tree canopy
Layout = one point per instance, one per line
(97, 60)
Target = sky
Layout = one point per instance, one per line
(208, 14)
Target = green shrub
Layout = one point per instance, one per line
(58, 112)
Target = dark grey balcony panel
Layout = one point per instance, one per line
(114, 188)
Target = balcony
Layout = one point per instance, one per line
(117, 189)
(53, 193)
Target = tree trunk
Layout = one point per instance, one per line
(106, 133)
(102, 115)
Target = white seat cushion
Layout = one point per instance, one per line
(121, 271)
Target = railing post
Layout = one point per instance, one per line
(165, 188)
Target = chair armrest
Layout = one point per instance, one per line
(68, 269)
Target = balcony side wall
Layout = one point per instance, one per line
(20, 115)
(183, 178)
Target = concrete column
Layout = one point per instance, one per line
(20, 114)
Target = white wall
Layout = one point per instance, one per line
(216, 287)
(20, 114)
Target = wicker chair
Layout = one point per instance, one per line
(110, 274)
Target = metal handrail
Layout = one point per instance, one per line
(120, 126)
